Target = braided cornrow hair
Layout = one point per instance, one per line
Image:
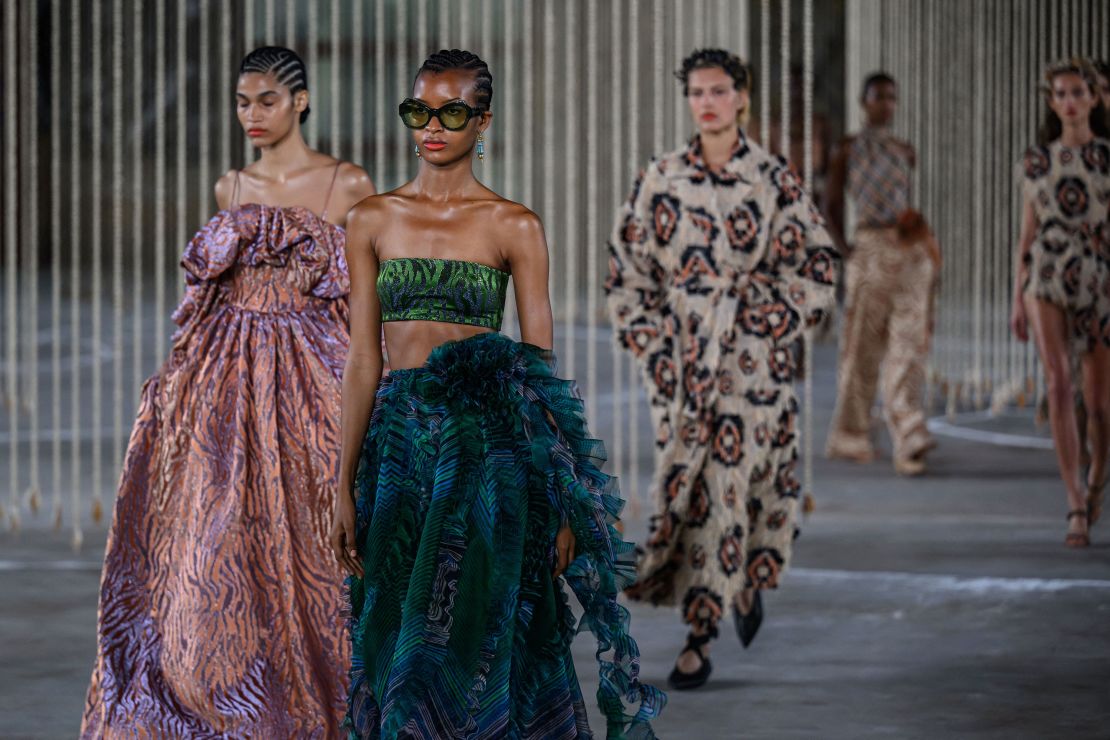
(284, 64)
(447, 59)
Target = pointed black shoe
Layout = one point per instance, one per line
(680, 681)
(748, 624)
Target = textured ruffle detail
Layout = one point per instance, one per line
(258, 235)
(540, 448)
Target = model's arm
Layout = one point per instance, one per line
(361, 376)
(528, 261)
(1019, 323)
(635, 291)
(801, 266)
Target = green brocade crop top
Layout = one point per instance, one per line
(451, 291)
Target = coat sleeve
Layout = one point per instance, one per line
(635, 288)
(795, 283)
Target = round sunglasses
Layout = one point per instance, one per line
(454, 116)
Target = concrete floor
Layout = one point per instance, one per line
(943, 607)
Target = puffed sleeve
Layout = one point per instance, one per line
(635, 288)
(794, 286)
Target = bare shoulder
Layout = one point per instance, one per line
(225, 188)
(353, 180)
(516, 222)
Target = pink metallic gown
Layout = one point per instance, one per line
(220, 604)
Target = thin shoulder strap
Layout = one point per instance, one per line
(327, 200)
(235, 193)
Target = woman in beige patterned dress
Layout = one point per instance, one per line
(718, 263)
(1062, 286)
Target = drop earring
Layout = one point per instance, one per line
(416, 148)
(481, 146)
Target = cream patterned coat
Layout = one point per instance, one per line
(714, 275)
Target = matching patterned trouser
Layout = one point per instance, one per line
(885, 343)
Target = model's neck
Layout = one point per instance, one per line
(285, 156)
(1076, 135)
(444, 182)
(717, 146)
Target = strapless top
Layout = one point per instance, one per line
(451, 291)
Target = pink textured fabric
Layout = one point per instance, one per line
(220, 604)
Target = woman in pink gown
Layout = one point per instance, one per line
(220, 605)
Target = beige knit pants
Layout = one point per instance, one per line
(887, 331)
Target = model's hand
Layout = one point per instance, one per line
(564, 549)
(342, 537)
(1019, 322)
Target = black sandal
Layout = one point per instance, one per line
(748, 624)
(1077, 539)
(681, 681)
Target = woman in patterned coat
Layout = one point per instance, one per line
(1062, 280)
(718, 263)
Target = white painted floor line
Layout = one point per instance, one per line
(951, 428)
(50, 565)
(930, 581)
(942, 582)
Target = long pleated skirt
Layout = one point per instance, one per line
(459, 630)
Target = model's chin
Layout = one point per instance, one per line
(716, 126)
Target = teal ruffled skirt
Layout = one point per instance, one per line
(471, 464)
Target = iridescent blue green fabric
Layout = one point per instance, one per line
(453, 291)
(459, 630)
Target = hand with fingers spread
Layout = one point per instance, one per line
(564, 550)
(342, 536)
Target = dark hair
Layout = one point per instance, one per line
(448, 59)
(874, 79)
(283, 64)
(733, 66)
(1053, 127)
(1102, 67)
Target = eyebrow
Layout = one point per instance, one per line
(262, 94)
(453, 100)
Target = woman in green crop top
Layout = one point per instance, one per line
(470, 491)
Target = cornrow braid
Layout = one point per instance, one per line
(447, 59)
(284, 64)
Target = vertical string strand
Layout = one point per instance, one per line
(137, 242)
(591, 265)
(313, 44)
(335, 58)
(765, 73)
(379, 95)
(618, 12)
(56, 261)
(358, 104)
(404, 152)
(77, 479)
(160, 179)
(549, 137)
(97, 262)
(784, 72)
(180, 135)
(807, 170)
(117, 230)
(30, 402)
(510, 142)
(634, 158)
(570, 233)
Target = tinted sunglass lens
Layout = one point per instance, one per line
(414, 116)
(453, 117)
